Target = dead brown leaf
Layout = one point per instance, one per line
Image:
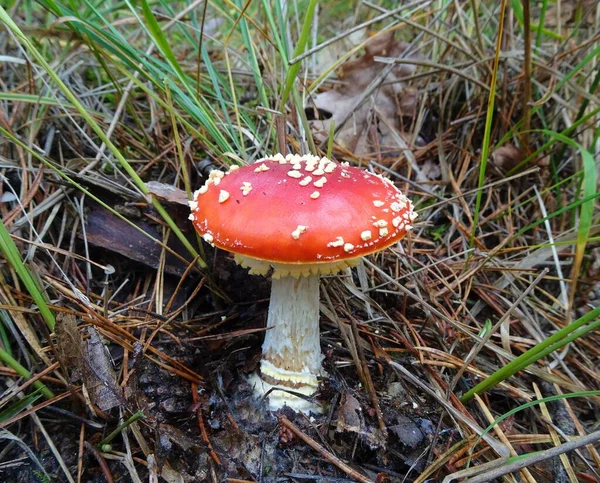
(88, 360)
(507, 157)
(355, 122)
(98, 374)
(350, 416)
(167, 192)
(569, 11)
(69, 345)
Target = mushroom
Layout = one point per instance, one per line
(301, 217)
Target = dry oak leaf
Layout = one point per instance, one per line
(353, 119)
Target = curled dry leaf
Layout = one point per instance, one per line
(167, 192)
(98, 374)
(88, 360)
(350, 416)
(353, 119)
(507, 157)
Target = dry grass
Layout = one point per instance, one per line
(499, 283)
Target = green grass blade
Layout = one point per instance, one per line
(33, 99)
(274, 31)
(518, 10)
(12, 255)
(133, 418)
(253, 62)
(548, 144)
(556, 213)
(586, 212)
(159, 39)
(586, 215)
(485, 148)
(21, 404)
(527, 405)
(19, 369)
(558, 345)
(110, 46)
(4, 318)
(541, 30)
(99, 132)
(529, 357)
(300, 47)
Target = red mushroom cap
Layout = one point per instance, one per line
(300, 209)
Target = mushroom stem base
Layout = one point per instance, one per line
(291, 356)
(279, 397)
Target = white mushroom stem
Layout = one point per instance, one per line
(291, 356)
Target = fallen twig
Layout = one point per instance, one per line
(101, 462)
(323, 452)
(203, 432)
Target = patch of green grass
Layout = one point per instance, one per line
(99, 132)
(522, 407)
(23, 372)
(12, 255)
(579, 328)
(487, 134)
(21, 404)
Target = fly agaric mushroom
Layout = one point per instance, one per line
(301, 217)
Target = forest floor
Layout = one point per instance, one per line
(468, 351)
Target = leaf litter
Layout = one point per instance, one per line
(184, 365)
(88, 359)
(367, 124)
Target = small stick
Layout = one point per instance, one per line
(323, 452)
(101, 461)
(368, 380)
(196, 401)
(80, 453)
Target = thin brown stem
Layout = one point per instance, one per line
(334, 460)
